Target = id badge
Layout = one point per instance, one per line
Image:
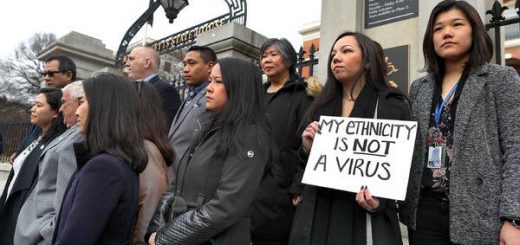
(436, 157)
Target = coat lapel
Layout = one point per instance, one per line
(468, 98)
(422, 106)
(184, 111)
(55, 142)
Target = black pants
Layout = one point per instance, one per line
(433, 220)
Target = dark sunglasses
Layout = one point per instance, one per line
(51, 73)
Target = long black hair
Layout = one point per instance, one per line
(153, 120)
(373, 71)
(53, 97)
(113, 119)
(481, 49)
(245, 103)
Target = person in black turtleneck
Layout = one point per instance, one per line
(286, 101)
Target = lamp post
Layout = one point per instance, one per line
(172, 8)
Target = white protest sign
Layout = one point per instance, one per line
(351, 152)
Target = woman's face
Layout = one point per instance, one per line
(347, 58)
(273, 63)
(41, 113)
(216, 96)
(452, 35)
(82, 113)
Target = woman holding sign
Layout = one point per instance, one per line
(355, 87)
(463, 185)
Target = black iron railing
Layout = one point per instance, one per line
(497, 21)
(309, 62)
(12, 135)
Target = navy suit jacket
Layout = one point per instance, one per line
(169, 96)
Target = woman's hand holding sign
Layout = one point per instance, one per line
(366, 200)
(308, 135)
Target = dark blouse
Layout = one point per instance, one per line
(440, 141)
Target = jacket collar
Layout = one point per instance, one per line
(58, 140)
(152, 78)
(83, 154)
(471, 91)
(294, 82)
(198, 101)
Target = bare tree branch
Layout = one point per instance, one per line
(21, 72)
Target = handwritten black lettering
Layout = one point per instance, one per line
(342, 166)
(343, 147)
(321, 161)
(358, 165)
(385, 166)
(410, 130)
(387, 148)
(367, 171)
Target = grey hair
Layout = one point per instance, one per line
(75, 89)
(286, 50)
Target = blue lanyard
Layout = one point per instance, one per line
(442, 103)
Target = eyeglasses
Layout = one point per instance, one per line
(50, 73)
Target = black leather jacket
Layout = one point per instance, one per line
(217, 191)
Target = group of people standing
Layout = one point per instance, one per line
(113, 160)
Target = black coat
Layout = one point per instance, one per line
(332, 217)
(100, 203)
(272, 211)
(21, 189)
(217, 190)
(169, 96)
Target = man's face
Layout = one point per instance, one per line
(136, 64)
(195, 71)
(68, 109)
(54, 78)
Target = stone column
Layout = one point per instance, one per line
(339, 16)
(89, 53)
(336, 17)
(233, 40)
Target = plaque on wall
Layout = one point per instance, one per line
(397, 62)
(380, 12)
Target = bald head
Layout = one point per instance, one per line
(142, 62)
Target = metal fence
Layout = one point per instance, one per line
(307, 62)
(497, 21)
(12, 134)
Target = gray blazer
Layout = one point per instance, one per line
(485, 171)
(183, 125)
(38, 214)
